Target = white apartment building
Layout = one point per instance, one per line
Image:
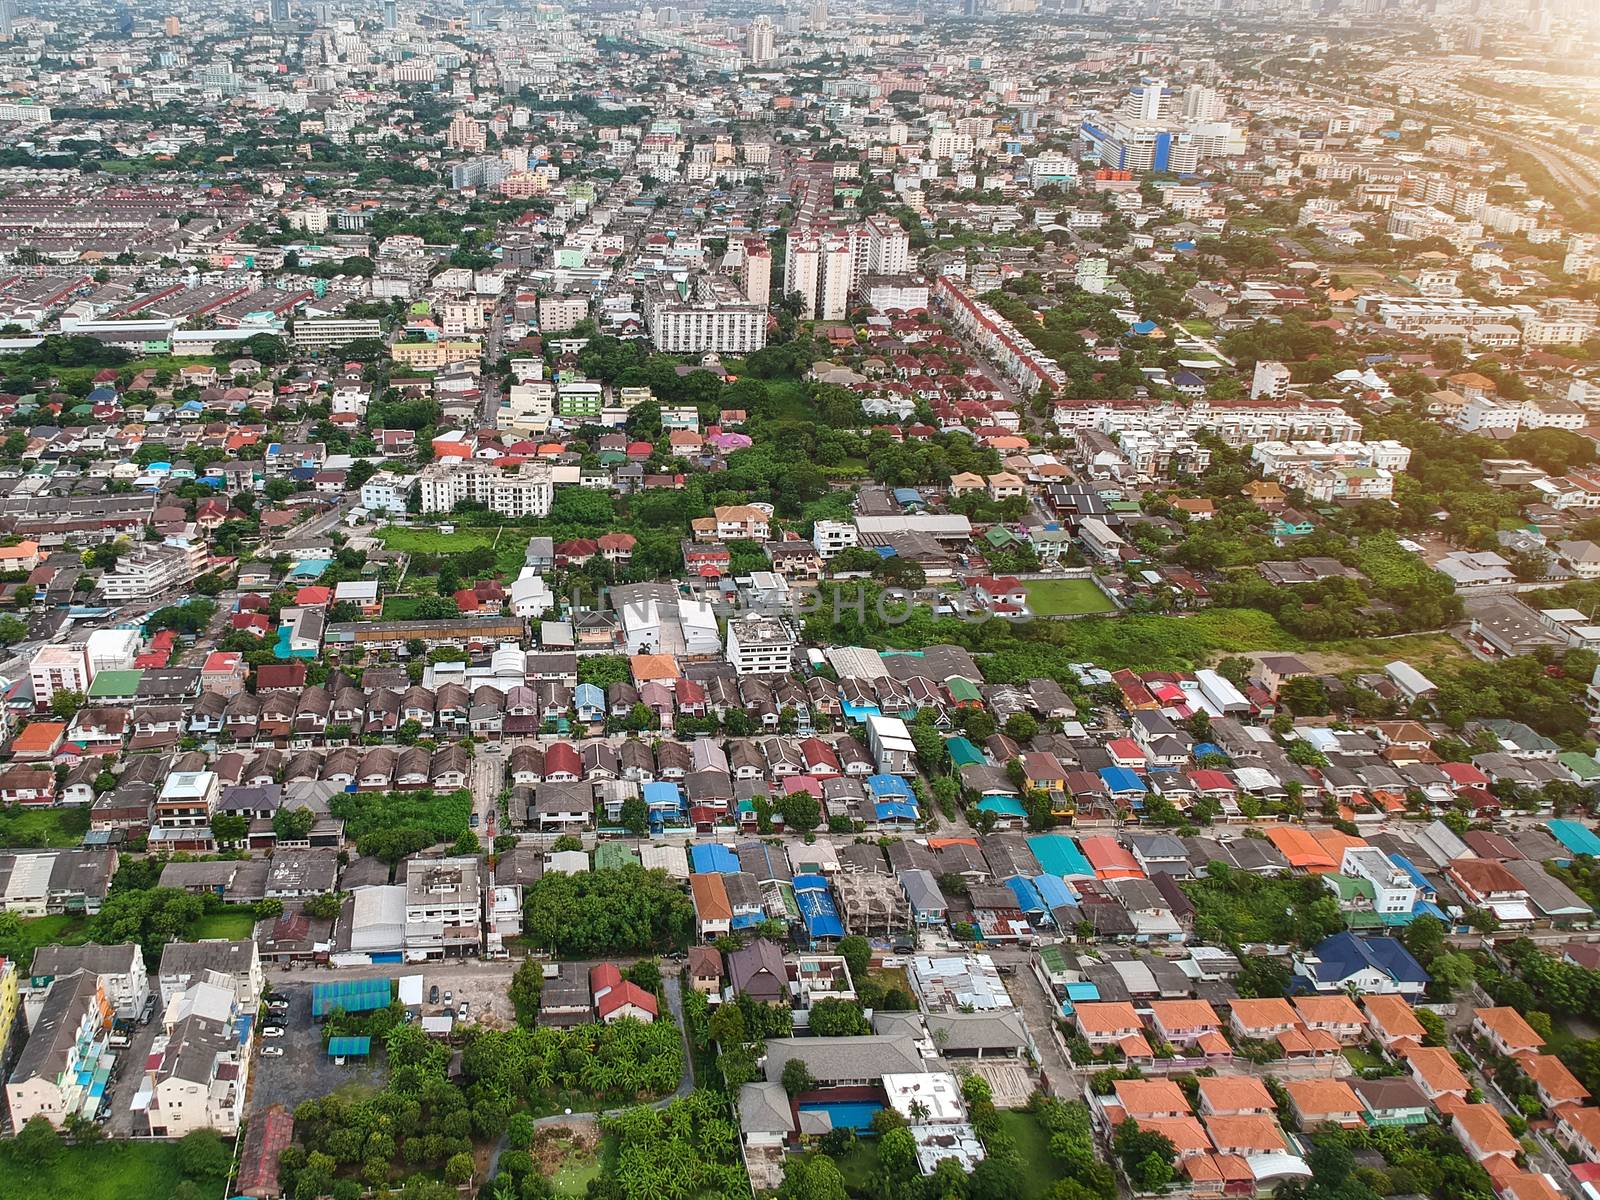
(112, 650)
(527, 406)
(830, 537)
(1271, 381)
(557, 314)
(755, 272)
(386, 493)
(718, 319)
(323, 333)
(148, 571)
(526, 492)
(444, 906)
(1394, 891)
(1242, 424)
(761, 645)
(197, 1072)
(1555, 331)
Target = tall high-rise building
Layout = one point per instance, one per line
(391, 14)
(279, 12)
(7, 19)
(1146, 101)
(761, 43)
(1203, 104)
(755, 271)
(819, 15)
(172, 26)
(888, 247)
(124, 20)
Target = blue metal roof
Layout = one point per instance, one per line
(888, 786)
(1121, 779)
(1028, 898)
(1578, 838)
(713, 859)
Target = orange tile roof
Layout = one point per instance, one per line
(1186, 1134)
(1530, 1185)
(710, 898)
(1105, 1017)
(1507, 1024)
(1487, 1129)
(1318, 1098)
(1583, 1121)
(1436, 1067)
(1150, 1097)
(647, 667)
(1301, 849)
(1394, 1016)
(1184, 1014)
(1262, 1014)
(1135, 1045)
(1552, 1077)
(1327, 1010)
(1335, 842)
(1212, 1042)
(1227, 1093)
(1251, 1132)
(39, 737)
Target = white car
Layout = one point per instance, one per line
(272, 1031)
(272, 1051)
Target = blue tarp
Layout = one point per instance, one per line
(1055, 891)
(1028, 898)
(817, 908)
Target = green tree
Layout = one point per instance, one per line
(203, 1155)
(527, 986)
(797, 1078)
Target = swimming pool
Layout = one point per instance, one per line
(847, 1114)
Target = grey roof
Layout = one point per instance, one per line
(1552, 897)
(97, 960)
(841, 1058)
(191, 958)
(1000, 1030)
(922, 890)
(765, 1108)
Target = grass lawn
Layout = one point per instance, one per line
(400, 608)
(1198, 328)
(509, 543)
(233, 924)
(1065, 597)
(43, 828)
(569, 1162)
(1040, 1170)
(1425, 651)
(1361, 1060)
(66, 929)
(857, 1166)
(101, 1171)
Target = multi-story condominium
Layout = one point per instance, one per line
(197, 1072)
(59, 668)
(63, 1064)
(717, 318)
(525, 492)
(755, 271)
(431, 356)
(385, 493)
(1236, 422)
(322, 333)
(761, 645)
(444, 906)
(150, 570)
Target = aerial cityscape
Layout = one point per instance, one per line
(873, 600)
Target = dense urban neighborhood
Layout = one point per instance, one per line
(909, 601)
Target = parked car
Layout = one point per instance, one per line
(272, 1051)
(433, 994)
(464, 1011)
(272, 1031)
(447, 998)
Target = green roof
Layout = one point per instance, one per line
(1581, 765)
(349, 1047)
(963, 753)
(999, 536)
(115, 683)
(613, 856)
(1350, 887)
(963, 690)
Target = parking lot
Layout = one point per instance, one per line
(305, 1071)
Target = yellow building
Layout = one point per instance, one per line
(10, 993)
(431, 356)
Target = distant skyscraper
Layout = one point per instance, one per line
(172, 26)
(391, 14)
(280, 12)
(761, 43)
(7, 20)
(124, 20)
(819, 14)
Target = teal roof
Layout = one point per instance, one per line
(963, 753)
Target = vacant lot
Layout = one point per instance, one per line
(43, 828)
(100, 1171)
(1065, 597)
(33, 932)
(233, 924)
